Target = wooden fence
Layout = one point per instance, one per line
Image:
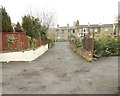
(88, 44)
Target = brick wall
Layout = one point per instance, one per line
(1, 42)
(38, 42)
(21, 41)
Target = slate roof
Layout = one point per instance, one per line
(86, 26)
(107, 25)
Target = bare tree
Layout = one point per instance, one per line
(117, 24)
(118, 19)
(47, 18)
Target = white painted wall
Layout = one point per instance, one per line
(23, 56)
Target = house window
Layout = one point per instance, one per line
(96, 30)
(63, 37)
(84, 29)
(73, 30)
(62, 31)
(68, 30)
(58, 37)
(58, 31)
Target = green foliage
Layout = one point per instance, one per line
(6, 21)
(118, 89)
(78, 42)
(50, 41)
(33, 27)
(105, 45)
(33, 43)
(43, 33)
(18, 28)
(9, 40)
(69, 41)
(72, 38)
(72, 35)
(0, 19)
(119, 45)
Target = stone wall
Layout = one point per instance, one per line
(83, 53)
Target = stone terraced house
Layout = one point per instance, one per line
(63, 33)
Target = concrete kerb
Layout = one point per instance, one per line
(0, 77)
(23, 56)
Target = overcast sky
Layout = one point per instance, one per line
(66, 11)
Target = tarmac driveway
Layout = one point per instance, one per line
(61, 71)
